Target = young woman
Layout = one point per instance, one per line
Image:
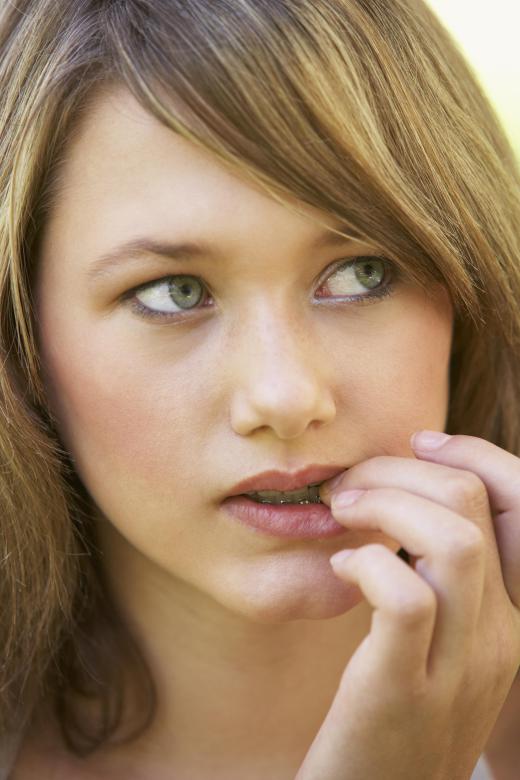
(247, 250)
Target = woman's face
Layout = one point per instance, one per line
(258, 371)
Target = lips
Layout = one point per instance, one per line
(280, 480)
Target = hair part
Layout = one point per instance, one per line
(366, 111)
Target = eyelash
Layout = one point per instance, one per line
(354, 300)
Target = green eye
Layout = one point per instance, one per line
(168, 298)
(185, 291)
(370, 271)
(367, 271)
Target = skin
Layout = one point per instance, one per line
(163, 420)
(502, 748)
(444, 645)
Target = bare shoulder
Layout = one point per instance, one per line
(38, 756)
(43, 756)
(37, 761)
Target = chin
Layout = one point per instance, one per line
(277, 594)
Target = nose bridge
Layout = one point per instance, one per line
(272, 334)
(278, 381)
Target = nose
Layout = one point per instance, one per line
(281, 375)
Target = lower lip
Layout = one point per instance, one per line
(291, 521)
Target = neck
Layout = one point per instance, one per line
(232, 691)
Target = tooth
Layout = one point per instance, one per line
(308, 490)
(308, 495)
(289, 495)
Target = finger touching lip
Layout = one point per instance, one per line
(328, 487)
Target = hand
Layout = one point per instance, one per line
(421, 694)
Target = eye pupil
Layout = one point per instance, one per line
(184, 292)
(369, 277)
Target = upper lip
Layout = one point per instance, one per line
(283, 480)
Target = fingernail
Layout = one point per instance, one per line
(346, 498)
(340, 556)
(428, 440)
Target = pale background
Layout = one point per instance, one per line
(489, 35)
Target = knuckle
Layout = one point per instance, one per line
(469, 547)
(414, 609)
(467, 492)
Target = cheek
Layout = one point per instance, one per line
(407, 376)
(122, 418)
(136, 420)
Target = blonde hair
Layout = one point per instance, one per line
(362, 108)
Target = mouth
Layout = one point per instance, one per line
(287, 487)
(307, 495)
(273, 515)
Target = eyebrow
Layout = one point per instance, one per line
(136, 248)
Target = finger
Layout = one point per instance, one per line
(404, 613)
(499, 470)
(451, 554)
(460, 490)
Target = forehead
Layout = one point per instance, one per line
(126, 172)
(118, 142)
